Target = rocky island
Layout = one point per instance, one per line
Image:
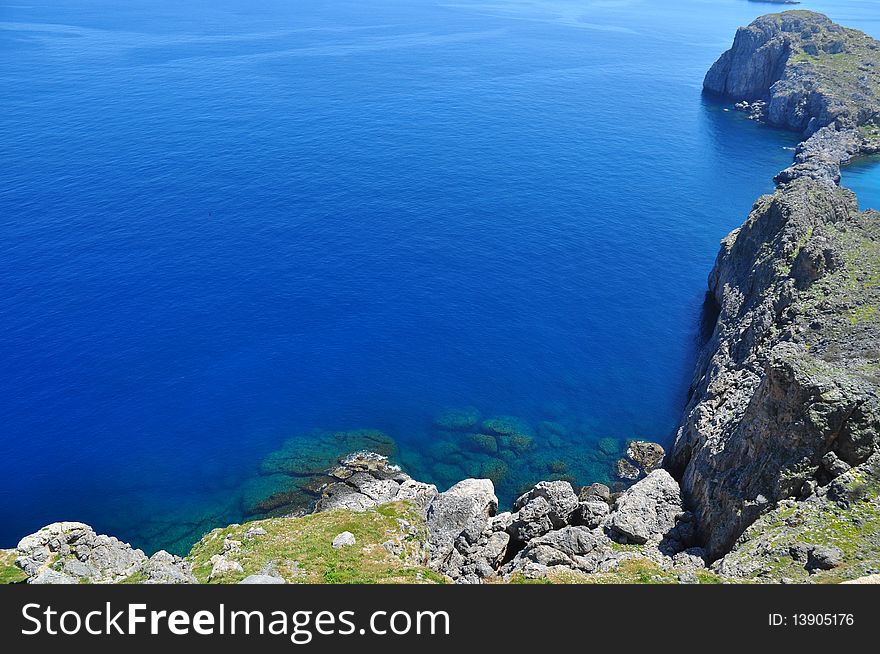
(774, 474)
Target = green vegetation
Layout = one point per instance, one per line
(300, 550)
(854, 529)
(638, 570)
(9, 572)
(871, 134)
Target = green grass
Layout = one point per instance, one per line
(9, 572)
(855, 530)
(638, 570)
(300, 549)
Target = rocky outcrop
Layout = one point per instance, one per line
(364, 480)
(785, 395)
(789, 374)
(552, 528)
(72, 553)
(809, 71)
(641, 458)
(834, 533)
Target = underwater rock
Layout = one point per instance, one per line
(626, 469)
(466, 419)
(267, 494)
(518, 443)
(506, 426)
(548, 429)
(314, 454)
(609, 446)
(495, 469)
(484, 443)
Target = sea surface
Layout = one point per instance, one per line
(228, 223)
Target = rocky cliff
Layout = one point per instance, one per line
(785, 395)
(810, 71)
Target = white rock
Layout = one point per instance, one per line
(344, 539)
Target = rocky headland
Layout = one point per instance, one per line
(774, 474)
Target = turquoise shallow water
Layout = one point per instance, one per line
(229, 223)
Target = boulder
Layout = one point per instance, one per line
(821, 557)
(591, 513)
(220, 565)
(345, 539)
(646, 455)
(595, 492)
(466, 506)
(648, 510)
(166, 568)
(627, 470)
(548, 505)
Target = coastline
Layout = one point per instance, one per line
(740, 480)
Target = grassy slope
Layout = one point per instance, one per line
(300, 550)
(9, 573)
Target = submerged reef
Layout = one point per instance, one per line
(511, 451)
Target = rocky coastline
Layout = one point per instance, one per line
(774, 474)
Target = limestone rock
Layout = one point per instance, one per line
(780, 59)
(646, 455)
(220, 565)
(591, 513)
(648, 510)
(261, 579)
(75, 550)
(467, 506)
(166, 568)
(345, 539)
(548, 505)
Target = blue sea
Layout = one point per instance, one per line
(227, 223)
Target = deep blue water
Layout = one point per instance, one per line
(226, 223)
(863, 177)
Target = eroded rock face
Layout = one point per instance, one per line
(786, 60)
(785, 378)
(785, 395)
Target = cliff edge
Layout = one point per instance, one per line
(784, 405)
(810, 71)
